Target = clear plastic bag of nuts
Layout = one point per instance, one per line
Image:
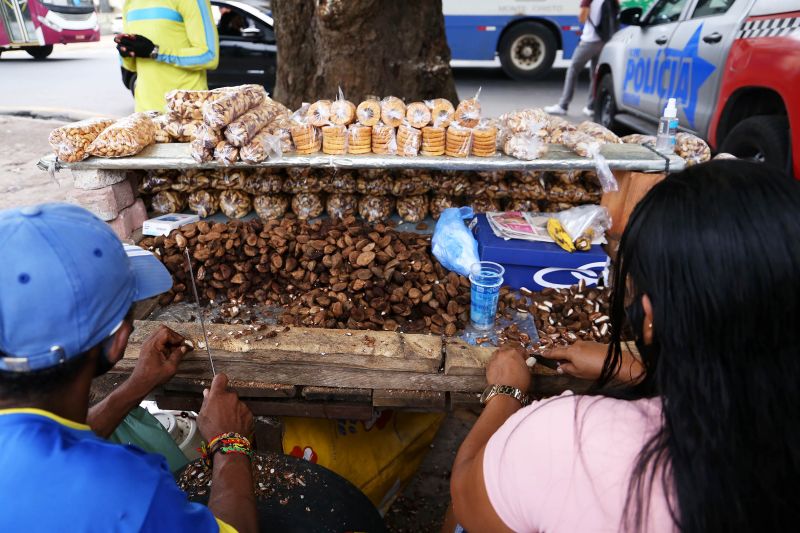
(192, 180)
(451, 183)
(692, 148)
(483, 204)
(375, 208)
(307, 205)
(168, 202)
(521, 190)
(231, 179)
(598, 132)
(339, 182)
(264, 181)
(521, 204)
(341, 204)
(234, 203)
(222, 111)
(271, 206)
(125, 137)
(302, 183)
(225, 153)
(440, 202)
(263, 145)
(413, 208)
(411, 183)
(205, 141)
(242, 130)
(157, 180)
(162, 135)
(182, 131)
(204, 202)
(374, 183)
(188, 104)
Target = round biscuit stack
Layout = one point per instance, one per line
(418, 115)
(383, 139)
(343, 112)
(359, 139)
(319, 113)
(458, 141)
(334, 139)
(393, 111)
(468, 113)
(484, 141)
(369, 112)
(433, 138)
(442, 112)
(306, 139)
(408, 140)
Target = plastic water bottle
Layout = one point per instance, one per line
(667, 127)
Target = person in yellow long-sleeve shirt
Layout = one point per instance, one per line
(170, 44)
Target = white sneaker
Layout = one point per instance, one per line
(588, 112)
(555, 110)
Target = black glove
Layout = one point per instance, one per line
(134, 45)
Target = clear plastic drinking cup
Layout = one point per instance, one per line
(485, 280)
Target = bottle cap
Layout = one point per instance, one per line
(671, 111)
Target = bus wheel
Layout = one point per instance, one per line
(39, 52)
(527, 51)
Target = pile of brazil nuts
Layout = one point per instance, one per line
(328, 273)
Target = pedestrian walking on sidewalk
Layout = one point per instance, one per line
(599, 19)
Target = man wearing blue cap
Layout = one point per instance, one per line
(67, 285)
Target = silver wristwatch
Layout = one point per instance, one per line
(493, 390)
(154, 53)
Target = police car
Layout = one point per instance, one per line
(733, 65)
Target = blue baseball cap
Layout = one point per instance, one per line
(66, 284)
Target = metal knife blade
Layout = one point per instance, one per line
(199, 310)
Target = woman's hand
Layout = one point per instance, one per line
(585, 360)
(507, 367)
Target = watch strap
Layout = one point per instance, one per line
(507, 390)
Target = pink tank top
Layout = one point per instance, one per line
(548, 470)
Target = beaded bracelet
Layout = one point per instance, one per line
(225, 443)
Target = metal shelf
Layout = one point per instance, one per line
(177, 156)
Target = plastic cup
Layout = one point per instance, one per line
(485, 280)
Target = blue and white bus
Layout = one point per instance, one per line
(525, 34)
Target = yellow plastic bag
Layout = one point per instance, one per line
(379, 456)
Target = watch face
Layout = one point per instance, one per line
(488, 392)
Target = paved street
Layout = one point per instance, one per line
(86, 78)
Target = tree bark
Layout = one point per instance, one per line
(366, 47)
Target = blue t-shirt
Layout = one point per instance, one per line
(57, 475)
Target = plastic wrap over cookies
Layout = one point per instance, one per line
(234, 203)
(233, 104)
(307, 205)
(168, 202)
(393, 111)
(271, 207)
(413, 208)
(341, 204)
(375, 208)
(204, 202)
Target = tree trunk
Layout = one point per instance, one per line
(366, 47)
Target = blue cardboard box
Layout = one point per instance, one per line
(536, 265)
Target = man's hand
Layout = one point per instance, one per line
(507, 367)
(159, 358)
(130, 45)
(223, 412)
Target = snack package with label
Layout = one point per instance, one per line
(188, 104)
(222, 111)
(440, 202)
(384, 139)
(125, 137)
(192, 180)
(368, 112)
(691, 148)
(413, 208)
(234, 203)
(265, 144)
(307, 205)
(408, 140)
(271, 206)
(71, 142)
(230, 179)
(339, 182)
(204, 202)
(458, 140)
(162, 135)
(586, 145)
(442, 112)
(182, 131)
(468, 112)
(225, 153)
(157, 180)
(525, 146)
(341, 204)
(393, 111)
(375, 208)
(305, 182)
(412, 182)
(375, 182)
(264, 181)
(600, 133)
(168, 202)
(242, 130)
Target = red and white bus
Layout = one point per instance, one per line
(36, 25)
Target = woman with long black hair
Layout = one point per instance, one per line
(706, 437)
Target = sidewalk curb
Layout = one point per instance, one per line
(50, 113)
